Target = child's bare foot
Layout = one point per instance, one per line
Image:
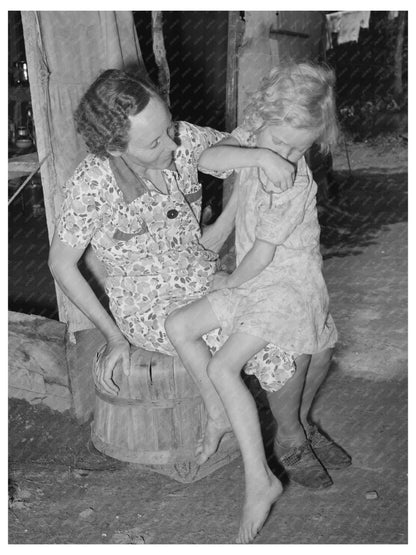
(214, 431)
(257, 505)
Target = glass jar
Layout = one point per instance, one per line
(20, 74)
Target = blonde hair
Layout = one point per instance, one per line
(300, 95)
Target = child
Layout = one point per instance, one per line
(277, 294)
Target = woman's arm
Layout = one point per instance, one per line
(227, 155)
(63, 263)
(215, 235)
(255, 261)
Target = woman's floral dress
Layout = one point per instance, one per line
(149, 244)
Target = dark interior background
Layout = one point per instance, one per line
(196, 46)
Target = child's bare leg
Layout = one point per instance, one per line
(185, 327)
(262, 488)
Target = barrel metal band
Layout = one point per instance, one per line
(155, 403)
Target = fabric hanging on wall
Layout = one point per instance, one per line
(393, 15)
(77, 46)
(346, 25)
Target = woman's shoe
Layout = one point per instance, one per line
(302, 466)
(330, 454)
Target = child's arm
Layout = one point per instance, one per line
(255, 261)
(228, 155)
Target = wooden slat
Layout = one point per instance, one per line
(24, 164)
(80, 358)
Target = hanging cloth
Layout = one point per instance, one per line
(72, 48)
(346, 25)
(77, 47)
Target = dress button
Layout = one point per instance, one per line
(172, 214)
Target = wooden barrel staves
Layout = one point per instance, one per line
(156, 419)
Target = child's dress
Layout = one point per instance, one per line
(287, 303)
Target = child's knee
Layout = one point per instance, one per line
(222, 369)
(214, 369)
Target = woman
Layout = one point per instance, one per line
(136, 199)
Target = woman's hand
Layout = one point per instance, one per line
(279, 171)
(214, 236)
(219, 281)
(117, 351)
(63, 263)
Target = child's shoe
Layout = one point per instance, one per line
(302, 466)
(330, 454)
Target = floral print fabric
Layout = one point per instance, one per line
(154, 263)
(287, 303)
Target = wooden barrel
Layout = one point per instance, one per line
(157, 417)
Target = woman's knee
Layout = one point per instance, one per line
(321, 361)
(302, 363)
(176, 325)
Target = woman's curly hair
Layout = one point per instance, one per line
(300, 95)
(102, 116)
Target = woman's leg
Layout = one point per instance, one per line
(331, 455)
(185, 328)
(291, 444)
(315, 376)
(285, 405)
(261, 486)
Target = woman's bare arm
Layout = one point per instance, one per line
(63, 263)
(215, 235)
(255, 261)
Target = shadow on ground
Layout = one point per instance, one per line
(359, 206)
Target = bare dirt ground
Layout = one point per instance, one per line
(62, 491)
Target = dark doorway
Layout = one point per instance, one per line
(196, 50)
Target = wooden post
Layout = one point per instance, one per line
(235, 33)
(398, 59)
(235, 29)
(160, 55)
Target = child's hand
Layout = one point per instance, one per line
(280, 172)
(219, 281)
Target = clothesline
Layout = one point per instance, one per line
(347, 25)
